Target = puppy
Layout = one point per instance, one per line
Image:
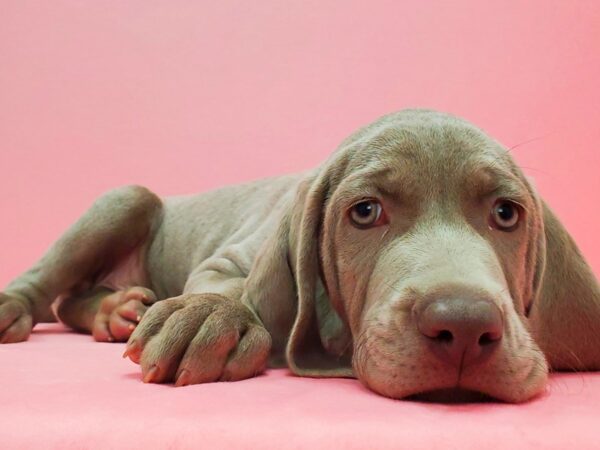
(418, 258)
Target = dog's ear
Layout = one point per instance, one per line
(285, 283)
(320, 343)
(565, 313)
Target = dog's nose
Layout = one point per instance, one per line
(461, 332)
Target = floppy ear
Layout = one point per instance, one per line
(286, 290)
(565, 315)
(320, 342)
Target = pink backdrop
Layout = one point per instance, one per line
(183, 96)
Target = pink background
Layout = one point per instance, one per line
(183, 96)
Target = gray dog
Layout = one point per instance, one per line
(418, 258)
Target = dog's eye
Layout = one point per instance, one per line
(366, 214)
(505, 215)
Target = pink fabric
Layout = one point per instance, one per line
(62, 390)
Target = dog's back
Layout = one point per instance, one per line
(232, 221)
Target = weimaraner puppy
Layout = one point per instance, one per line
(418, 258)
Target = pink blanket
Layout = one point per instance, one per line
(62, 390)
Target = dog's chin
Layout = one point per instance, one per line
(442, 388)
(452, 396)
(456, 395)
(447, 393)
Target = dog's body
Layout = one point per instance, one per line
(205, 239)
(397, 262)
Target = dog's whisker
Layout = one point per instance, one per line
(529, 141)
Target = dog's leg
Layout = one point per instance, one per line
(110, 316)
(118, 223)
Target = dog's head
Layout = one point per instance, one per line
(418, 252)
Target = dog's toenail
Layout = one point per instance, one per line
(130, 350)
(149, 377)
(183, 379)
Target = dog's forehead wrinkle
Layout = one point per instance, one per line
(400, 171)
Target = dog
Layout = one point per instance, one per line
(418, 258)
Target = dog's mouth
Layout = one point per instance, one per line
(454, 395)
(400, 366)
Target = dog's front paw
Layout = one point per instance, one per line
(16, 321)
(197, 338)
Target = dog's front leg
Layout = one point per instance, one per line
(204, 335)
